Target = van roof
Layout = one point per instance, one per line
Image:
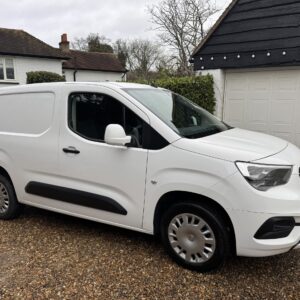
(43, 86)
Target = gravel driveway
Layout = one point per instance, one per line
(47, 255)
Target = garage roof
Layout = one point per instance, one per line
(252, 33)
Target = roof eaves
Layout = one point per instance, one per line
(94, 70)
(215, 27)
(35, 55)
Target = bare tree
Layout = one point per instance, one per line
(144, 55)
(93, 43)
(183, 24)
(121, 49)
(80, 44)
(141, 56)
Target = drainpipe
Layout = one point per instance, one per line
(74, 75)
(123, 76)
(75, 72)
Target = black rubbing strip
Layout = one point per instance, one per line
(75, 197)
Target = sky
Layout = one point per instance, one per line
(47, 20)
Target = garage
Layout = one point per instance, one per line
(253, 54)
(266, 101)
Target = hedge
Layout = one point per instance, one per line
(199, 89)
(43, 76)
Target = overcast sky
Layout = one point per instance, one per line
(47, 20)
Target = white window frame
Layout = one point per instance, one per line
(3, 61)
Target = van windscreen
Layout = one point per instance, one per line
(185, 117)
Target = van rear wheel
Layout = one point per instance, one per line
(195, 236)
(9, 205)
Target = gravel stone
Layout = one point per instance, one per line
(44, 255)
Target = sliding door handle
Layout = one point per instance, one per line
(71, 150)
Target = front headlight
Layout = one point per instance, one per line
(264, 177)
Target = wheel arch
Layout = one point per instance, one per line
(175, 197)
(4, 173)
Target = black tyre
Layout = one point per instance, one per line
(195, 236)
(9, 205)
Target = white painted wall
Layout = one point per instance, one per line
(27, 64)
(219, 87)
(92, 76)
(2, 84)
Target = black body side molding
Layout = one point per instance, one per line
(75, 197)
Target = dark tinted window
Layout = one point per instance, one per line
(90, 114)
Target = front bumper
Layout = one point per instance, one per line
(248, 245)
(249, 209)
(297, 247)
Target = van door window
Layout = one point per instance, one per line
(90, 114)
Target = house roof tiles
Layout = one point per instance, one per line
(93, 61)
(20, 43)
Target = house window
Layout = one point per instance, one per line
(7, 69)
(10, 70)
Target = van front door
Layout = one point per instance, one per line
(100, 181)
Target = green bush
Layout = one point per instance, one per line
(43, 76)
(199, 89)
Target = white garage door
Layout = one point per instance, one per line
(265, 101)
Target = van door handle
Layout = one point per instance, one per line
(72, 150)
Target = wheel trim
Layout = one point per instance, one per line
(191, 238)
(4, 199)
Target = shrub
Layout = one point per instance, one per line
(43, 76)
(199, 89)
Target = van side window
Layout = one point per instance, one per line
(89, 115)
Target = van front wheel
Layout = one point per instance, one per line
(9, 205)
(194, 236)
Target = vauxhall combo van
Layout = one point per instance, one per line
(149, 160)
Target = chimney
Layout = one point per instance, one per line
(64, 45)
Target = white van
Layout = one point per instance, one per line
(149, 160)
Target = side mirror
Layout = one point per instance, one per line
(115, 135)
